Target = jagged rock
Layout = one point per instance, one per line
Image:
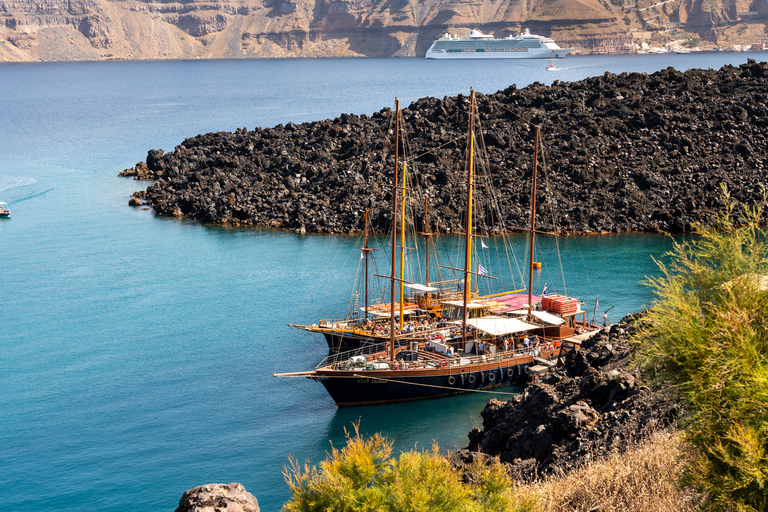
(574, 414)
(628, 152)
(218, 497)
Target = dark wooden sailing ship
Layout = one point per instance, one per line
(478, 353)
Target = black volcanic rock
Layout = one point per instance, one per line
(621, 152)
(596, 403)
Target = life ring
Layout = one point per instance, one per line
(451, 380)
(491, 377)
(510, 372)
(551, 347)
(443, 364)
(471, 379)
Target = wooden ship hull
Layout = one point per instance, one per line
(422, 374)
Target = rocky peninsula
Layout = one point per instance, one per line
(628, 152)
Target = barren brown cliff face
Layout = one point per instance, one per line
(58, 30)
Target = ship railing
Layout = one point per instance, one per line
(336, 360)
(338, 357)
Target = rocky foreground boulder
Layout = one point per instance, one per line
(595, 403)
(622, 152)
(218, 497)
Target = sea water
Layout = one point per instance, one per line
(137, 352)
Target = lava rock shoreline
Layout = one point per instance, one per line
(628, 152)
(597, 402)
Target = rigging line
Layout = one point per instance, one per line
(355, 286)
(322, 397)
(385, 138)
(552, 212)
(432, 150)
(409, 163)
(311, 292)
(306, 302)
(518, 116)
(435, 95)
(427, 385)
(325, 260)
(486, 170)
(575, 240)
(310, 336)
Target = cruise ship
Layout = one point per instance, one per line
(484, 46)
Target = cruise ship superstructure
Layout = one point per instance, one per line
(484, 46)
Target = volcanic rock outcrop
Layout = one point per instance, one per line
(620, 152)
(595, 404)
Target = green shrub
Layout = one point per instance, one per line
(363, 476)
(706, 333)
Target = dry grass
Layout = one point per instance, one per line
(642, 479)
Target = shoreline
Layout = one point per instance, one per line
(756, 53)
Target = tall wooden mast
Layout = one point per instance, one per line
(366, 250)
(533, 224)
(402, 247)
(468, 236)
(427, 235)
(393, 277)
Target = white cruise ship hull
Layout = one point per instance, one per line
(483, 46)
(527, 53)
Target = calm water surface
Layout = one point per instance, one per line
(137, 352)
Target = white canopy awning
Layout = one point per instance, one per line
(470, 305)
(422, 287)
(385, 314)
(499, 326)
(547, 318)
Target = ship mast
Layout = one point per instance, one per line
(533, 225)
(394, 236)
(366, 250)
(468, 236)
(402, 247)
(427, 235)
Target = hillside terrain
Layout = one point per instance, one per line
(78, 30)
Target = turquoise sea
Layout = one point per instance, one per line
(137, 352)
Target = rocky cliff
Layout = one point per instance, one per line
(598, 402)
(58, 30)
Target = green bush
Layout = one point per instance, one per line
(706, 334)
(363, 476)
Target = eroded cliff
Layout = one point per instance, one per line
(57, 30)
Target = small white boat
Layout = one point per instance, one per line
(551, 65)
(4, 211)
